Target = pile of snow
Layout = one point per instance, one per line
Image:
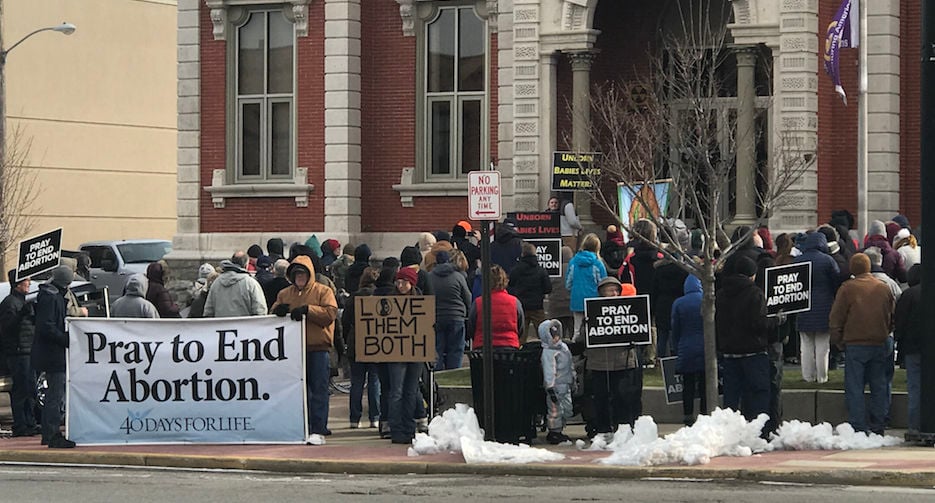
(800, 436)
(457, 430)
(723, 433)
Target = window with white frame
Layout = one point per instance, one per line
(263, 96)
(454, 93)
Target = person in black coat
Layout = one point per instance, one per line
(48, 353)
(507, 246)
(361, 261)
(530, 283)
(17, 330)
(910, 333)
(644, 256)
(743, 335)
(668, 285)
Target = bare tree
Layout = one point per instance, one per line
(672, 125)
(18, 193)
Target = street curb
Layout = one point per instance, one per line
(276, 465)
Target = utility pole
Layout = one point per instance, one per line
(927, 168)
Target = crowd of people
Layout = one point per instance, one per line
(864, 304)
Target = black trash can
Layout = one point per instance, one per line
(518, 393)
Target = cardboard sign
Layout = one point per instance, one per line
(39, 254)
(573, 172)
(618, 321)
(549, 254)
(788, 288)
(399, 328)
(539, 225)
(671, 381)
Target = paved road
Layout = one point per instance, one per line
(24, 484)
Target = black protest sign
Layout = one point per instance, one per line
(572, 171)
(539, 225)
(39, 254)
(788, 288)
(549, 254)
(617, 321)
(400, 328)
(671, 380)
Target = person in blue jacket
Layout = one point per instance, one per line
(585, 271)
(688, 337)
(814, 334)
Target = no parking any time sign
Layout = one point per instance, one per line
(484, 195)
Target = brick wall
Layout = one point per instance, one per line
(388, 116)
(265, 214)
(910, 29)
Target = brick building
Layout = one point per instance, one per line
(359, 119)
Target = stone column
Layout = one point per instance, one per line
(745, 136)
(548, 126)
(883, 70)
(526, 111)
(342, 118)
(189, 126)
(581, 122)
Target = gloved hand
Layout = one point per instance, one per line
(299, 312)
(780, 317)
(281, 310)
(552, 395)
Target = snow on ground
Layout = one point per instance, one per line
(457, 430)
(799, 436)
(723, 433)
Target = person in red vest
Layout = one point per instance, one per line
(506, 314)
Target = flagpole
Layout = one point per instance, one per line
(862, 143)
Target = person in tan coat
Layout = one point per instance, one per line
(313, 302)
(861, 320)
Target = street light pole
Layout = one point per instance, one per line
(65, 29)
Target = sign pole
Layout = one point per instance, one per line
(488, 342)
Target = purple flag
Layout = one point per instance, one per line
(842, 33)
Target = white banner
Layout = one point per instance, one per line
(214, 380)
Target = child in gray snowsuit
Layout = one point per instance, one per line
(558, 379)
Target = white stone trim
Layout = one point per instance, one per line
(295, 10)
(188, 174)
(342, 116)
(883, 109)
(409, 189)
(221, 190)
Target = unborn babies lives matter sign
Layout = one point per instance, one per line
(789, 288)
(617, 321)
(39, 254)
(400, 328)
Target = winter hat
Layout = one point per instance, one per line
(831, 236)
(745, 266)
(614, 235)
(627, 290)
(859, 264)
(330, 246)
(767, 237)
(609, 280)
(426, 241)
(464, 224)
(254, 251)
(902, 221)
(902, 234)
(205, 270)
(891, 229)
(62, 276)
(313, 243)
(348, 250)
(442, 236)
(410, 256)
(408, 274)
(442, 257)
(458, 232)
(842, 218)
(391, 262)
(877, 228)
(274, 246)
(264, 262)
(362, 253)
(553, 326)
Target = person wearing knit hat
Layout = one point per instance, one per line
(403, 378)
(892, 263)
(253, 253)
(743, 333)
(411, 258)
(860, 322)
(329, 252)
(406, 275)
(902, 221)
(908, 248)
(48, 352)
